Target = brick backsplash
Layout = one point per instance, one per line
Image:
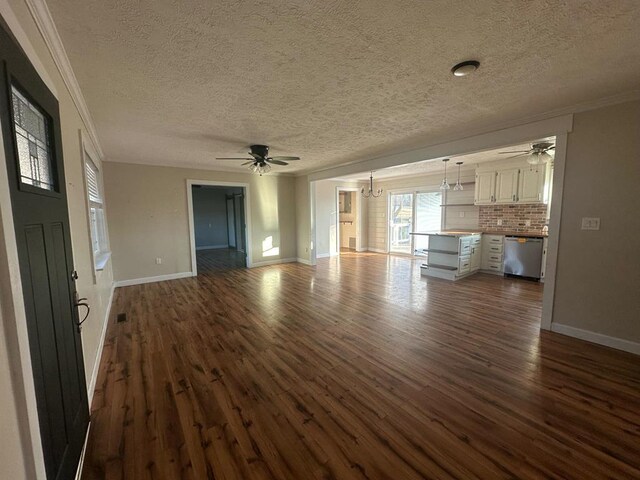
(513, 218)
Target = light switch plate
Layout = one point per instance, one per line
(590, 223)
(499, 222)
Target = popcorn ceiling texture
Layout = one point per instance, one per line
(180, 82)
(513, 218)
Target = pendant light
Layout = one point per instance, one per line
(370, 193)
(445, 185)
(458, 185)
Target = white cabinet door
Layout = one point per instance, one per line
(476, 256)
(485, 188)
(531, 184)
(507, 185)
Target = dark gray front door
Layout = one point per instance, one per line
(33, 149)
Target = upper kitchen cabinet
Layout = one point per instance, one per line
(531, 184)
(510, 182)
(485, 188)
(507, 185)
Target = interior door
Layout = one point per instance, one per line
(33, 149)
(231, 222)
(239, 227)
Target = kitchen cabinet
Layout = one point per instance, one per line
(451, 255)
(531, 184)
(492, 250)
(507, 185)
(510, 185)
(475, 257)
(485, 188)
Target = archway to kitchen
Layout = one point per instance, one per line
(462, 215)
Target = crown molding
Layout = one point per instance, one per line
(42, 16)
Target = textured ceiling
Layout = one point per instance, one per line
(175, 82)
(428, 167)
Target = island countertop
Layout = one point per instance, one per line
(448, 233)
(462, 233)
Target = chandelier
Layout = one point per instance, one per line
(370, 192)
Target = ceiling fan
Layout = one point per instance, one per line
(260, 161)
(538, 153)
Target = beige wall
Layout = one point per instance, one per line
(598, 275)
(17, 398)
(148, 217)
(303, 218)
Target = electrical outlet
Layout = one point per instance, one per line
(158, 261)
(499, 222)
(527, 223)
(590, 223)
(461, 214)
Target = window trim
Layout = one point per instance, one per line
(100, 259)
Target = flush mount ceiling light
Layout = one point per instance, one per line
(465, 68)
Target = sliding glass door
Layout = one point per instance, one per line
(428, 217)
(413, 212)
(400, 222)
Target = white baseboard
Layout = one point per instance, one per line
(96, 364)
(273, 262)
(303, 260)
(323, 255)
(159, 278)
(376, 250)
(212, 247)
(599, 338)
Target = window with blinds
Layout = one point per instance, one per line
(96, 214)
(428, 217)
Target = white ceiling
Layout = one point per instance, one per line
(433, 166)
(178, 83)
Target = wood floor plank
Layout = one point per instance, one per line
(358, 368)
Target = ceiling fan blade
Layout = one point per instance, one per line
(514, 151)
(255, 155)
(550, 148)
(276, 162)
(233, 158)
(519, 155)
(285, 158)
(248, 163)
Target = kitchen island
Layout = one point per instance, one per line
(451, 255)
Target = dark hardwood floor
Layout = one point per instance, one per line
(356, 369)
(219, 260)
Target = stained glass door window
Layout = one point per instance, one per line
(32, 139)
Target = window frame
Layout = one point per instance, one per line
(99, 258)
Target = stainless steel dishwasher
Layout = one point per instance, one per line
(523, 256)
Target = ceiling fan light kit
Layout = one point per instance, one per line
(538, 153)
(260, 162)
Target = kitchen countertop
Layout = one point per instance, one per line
(462, 233)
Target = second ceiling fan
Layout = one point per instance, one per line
(538, 153)
(260, 161)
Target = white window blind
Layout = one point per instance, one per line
(97, 221)
(428, 216)
(93, 184)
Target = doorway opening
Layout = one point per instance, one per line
(218, 227)
(348, 239)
